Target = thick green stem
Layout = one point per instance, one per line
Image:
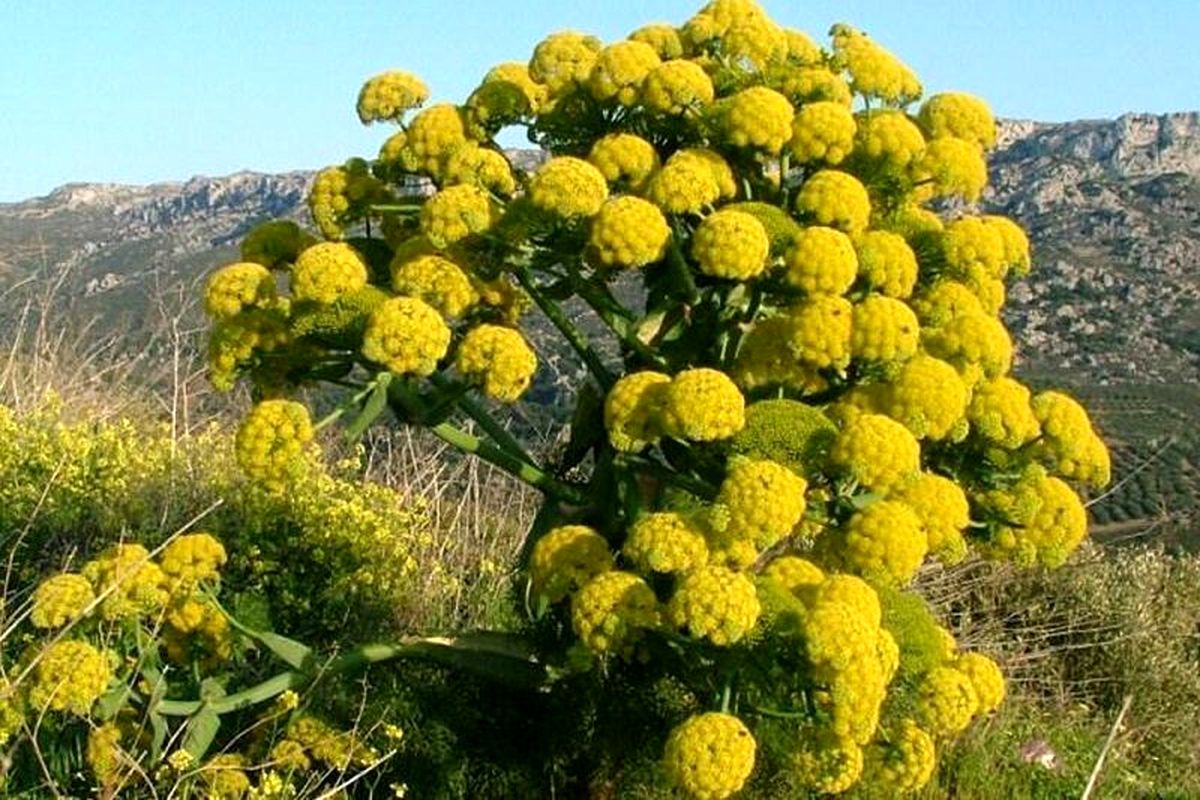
(576, 337)
(506, 461)
(490, 425)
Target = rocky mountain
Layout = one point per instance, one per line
(1112, 208)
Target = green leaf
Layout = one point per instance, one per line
(587, 427)
(201, 730)
(294, 654)
(502, 657)
(372, 408)
(112, 701)
(861, 501)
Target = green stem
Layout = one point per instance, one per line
(490, 425)
(680, 269)
(517, 467)
(576, 337)
(340, 411)
(621, 327)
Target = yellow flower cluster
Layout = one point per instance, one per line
(197, 631)
(710, 756)
(619, 71)
(339, 750)
(565, 559)
(758, 119)
(947, 701)
(236, 287)
(455, 213)
(821, 260)
(944, 512)
(192, 558)
(678, 87)
(732, 245)
(624, 159)
(929, 398)
(886, 542)
(663, 38)
(569, 188)
(1070, 445)
(60, 599)
(1001, 412)
(432, 136)
(874, 72)
(499, 359)
(629, 232)
(387, 96)
(337, 195)
(480, 167)
(877, 451)
(70, 676)
(271, 441)
(562, 60)
(794, 573)
(103, 753)
(327, 271)
(836, 199)
(666, 542)
(702, 405)
(715, 603)
(1049, 521)
(958, 115)
(407, 336)
(611, 612)
(883, 329)
(954, 168)
(820, 330)
(906, 763)
(887, 263)
(127, 582)
(889, 140)
(437, 281)
(763, 500)
(633, 410)
(826, 763)
(822, 133)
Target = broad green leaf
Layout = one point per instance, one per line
(201, 730)
(372, 408)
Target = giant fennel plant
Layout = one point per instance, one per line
(796, 388)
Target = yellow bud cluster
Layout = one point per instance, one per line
(794, 573)
(407, 336)
(822, 133)
(568, 187)
(69, 676)
(886, 542)
(887, 263)
(710, 756)
(906, 762)
(954, 168)
(565, 559)
(944, 512)
(499, 359)
(1069, 443)
(612, 611)
(702, 405)
(633, 409)
(943, 300)
(946, 701)
(327, 271)
(755, 41)
(678, 87)
(759, 119)
(236, 287)
(826, 763)
(986, 679)
(889, 140)
(663, 38)
(820, 331)
(836, 199)
(103, 753)
(1001, 412)
(629, 232)
(883, 329)
(929, 398)
(1053, 531)
(683, 187)
(976, 344)
(1016, 243)
(877, 451)
(968, 243)
(270, 442)
(764, 500)
(191, 558)
(732, 245)
(437, 281)
(821, 261)
(386, 97)
(130, 584)
(433, 135)
(480, 167)
(455, 213)
(874, 72)
(666, 542)
(517, 75)
(564, 59)
(60, 599)
(619, 71)
(715, 603)
(766, 359)
(959, 115)
(813, 84)
(623, 158)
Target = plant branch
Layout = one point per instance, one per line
(576, 337)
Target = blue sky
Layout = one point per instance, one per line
(135, 91)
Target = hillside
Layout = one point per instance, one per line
(1112, 207)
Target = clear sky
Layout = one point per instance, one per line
(135, 91)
